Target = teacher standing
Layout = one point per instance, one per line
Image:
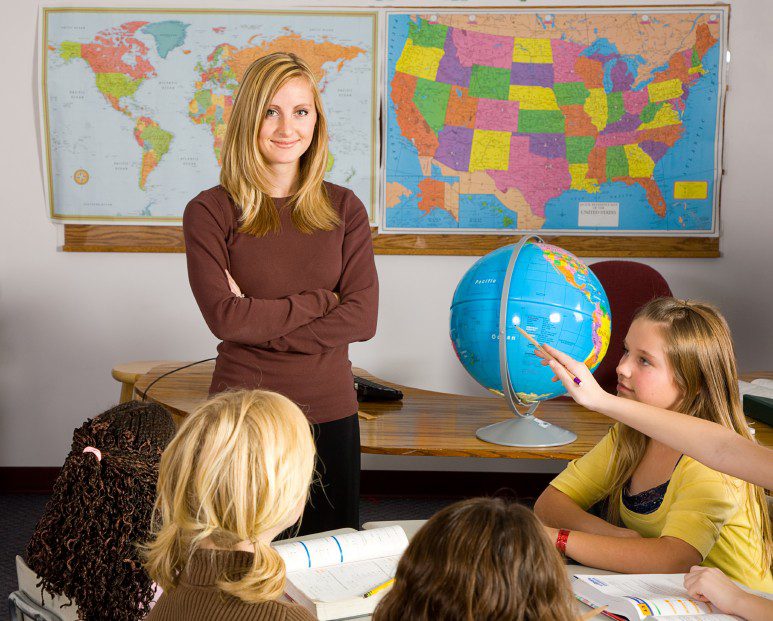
(281, 265)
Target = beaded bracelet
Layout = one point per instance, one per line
(561, 539)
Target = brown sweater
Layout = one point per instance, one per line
(289, 333)
(196, 598)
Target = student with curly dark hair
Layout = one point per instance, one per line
(85, 545)
(483, 558)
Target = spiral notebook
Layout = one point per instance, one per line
(330, 575)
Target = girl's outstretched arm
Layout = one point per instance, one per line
(715, 446)
(709, 584)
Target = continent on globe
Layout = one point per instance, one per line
(553, 296)
(576, 273)
(219, 77)
(542, 110)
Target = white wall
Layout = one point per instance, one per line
(66, 319)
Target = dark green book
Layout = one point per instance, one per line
(758, 408)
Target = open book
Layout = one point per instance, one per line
(760, 387)
(329, 576)
(645, 596)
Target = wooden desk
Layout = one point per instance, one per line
(425, 422)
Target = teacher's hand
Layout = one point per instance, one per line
(233, 286)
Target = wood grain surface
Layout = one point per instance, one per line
(424, 422)
(140, 238)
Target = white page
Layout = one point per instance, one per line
(718, 617)
(346, 548)
(765, 383)
(339, 582)
(653, 594)
(755, 388)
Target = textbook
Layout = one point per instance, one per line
(758, 387)
(330, 575)
(645, 596)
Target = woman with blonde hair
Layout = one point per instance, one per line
(281, 265)
(666, 512)
(483, 558)
(236, 474)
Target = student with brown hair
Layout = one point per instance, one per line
(714, 445)
(281, 265)
(483, 558)
(666, 511)
(85, 545)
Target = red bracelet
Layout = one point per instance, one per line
(561, 539)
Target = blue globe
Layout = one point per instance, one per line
(553, 296)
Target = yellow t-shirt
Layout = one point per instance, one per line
(701, 507)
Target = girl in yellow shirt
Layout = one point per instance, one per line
(665, 511)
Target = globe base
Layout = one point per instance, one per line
(525, 431)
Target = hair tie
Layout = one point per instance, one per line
(96, 451)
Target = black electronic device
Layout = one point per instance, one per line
(759, 408)
(372, 391)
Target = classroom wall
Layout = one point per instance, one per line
(66, 319)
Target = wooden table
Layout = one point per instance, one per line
(424, 422)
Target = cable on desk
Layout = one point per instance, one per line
(147, 390)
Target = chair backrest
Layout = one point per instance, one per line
(628, 285)
(55, 604)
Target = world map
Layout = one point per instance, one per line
(579, 120)
(135, 104)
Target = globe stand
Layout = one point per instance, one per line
(525, 429)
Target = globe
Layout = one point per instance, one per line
(553, 296)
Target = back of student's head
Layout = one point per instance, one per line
(85, 545)
(238, 467)
(483, 558)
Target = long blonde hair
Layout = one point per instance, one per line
(482, 558)
(699, 350)
(239, 466)
(244, 173)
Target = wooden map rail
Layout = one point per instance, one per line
(143, 238)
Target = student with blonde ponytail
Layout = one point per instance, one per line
(236, 474)
(281, 265)
(666, 512)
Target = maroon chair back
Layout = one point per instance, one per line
(628, 285)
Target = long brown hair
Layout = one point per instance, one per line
(244, 173)
(483, 558)
(699, 350)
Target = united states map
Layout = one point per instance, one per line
(597, 120)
